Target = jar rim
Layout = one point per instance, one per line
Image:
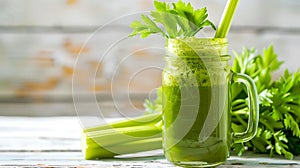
(204, 58)
(197, 41)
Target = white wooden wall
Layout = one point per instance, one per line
(41, 46)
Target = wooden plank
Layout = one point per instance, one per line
(56, 133)
(283, 13)
(54, 142)
(74, 159)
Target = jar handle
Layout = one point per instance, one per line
(251, 130)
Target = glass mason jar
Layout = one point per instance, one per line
(197, 103)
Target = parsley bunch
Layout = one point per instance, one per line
(279, 105)
(172, 20)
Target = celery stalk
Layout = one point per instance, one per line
(142, 120)
(124, 148)
(123, 137)
(120, 135)
(226, 19)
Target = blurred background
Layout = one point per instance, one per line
(46, 45)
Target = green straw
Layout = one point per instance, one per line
(226, 19)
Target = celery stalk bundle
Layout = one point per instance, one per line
(123, 137)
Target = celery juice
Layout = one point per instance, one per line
(195, 102)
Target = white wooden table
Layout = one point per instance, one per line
(55, 142)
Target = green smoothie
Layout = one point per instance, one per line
(195, 102)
